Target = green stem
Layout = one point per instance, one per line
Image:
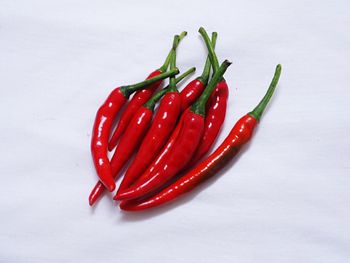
(186, 74)
(204, 78)
(213, 58)
(199, 106)
(129, 89)
(164, 67)
(259, 109)
(152, 101)
(172, 83)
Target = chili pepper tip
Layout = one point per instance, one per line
(123, 205)
(119, 195)
(111, 187)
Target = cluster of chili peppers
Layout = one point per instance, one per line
(164, 148)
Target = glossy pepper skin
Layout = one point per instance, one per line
(103, 123)
(184, 146)
(163, 124)
(191, 93)
(240, 134)
(131, 139)
(140, 98)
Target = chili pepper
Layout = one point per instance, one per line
(103, 122)
(138, 100)
(216, 112)
(216, 108)
(192, 126)
(240, 134)
(195, 88)
(130, 140)
(162, 126)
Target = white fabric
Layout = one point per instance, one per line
(284, 199)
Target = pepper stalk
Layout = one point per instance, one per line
(213, 58)
(164, 67)
(129, 89)
(204, 78)
(259, 109)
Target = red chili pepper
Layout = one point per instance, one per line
(184, 147)
(240, 134)
(140, 98)
(216, 112)
(103, 122)
(162, 126)
(216, 108)
(131, 138)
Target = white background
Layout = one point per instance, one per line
(284, 199)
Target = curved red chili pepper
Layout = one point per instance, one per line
(140, 98)
(100, 134)
(215, 117)
(130, 140)
(216, 107)
(184, 147)
(240, 134)
(163, 124)
(103, 122)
